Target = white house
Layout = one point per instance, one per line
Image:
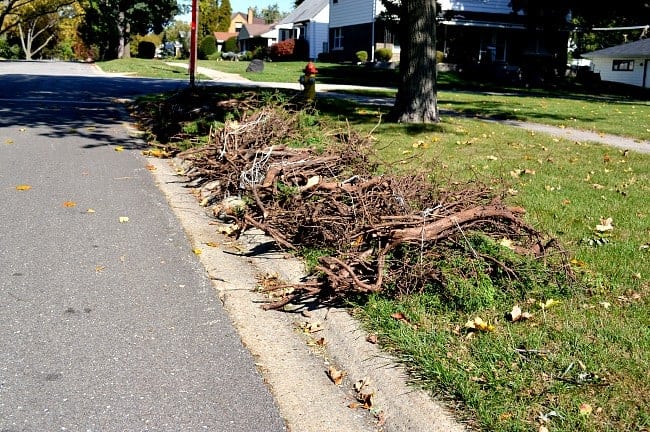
(628, 63)
(354, 26)
(470, 32)
(309, 22)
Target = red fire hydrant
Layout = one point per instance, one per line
(308, 81)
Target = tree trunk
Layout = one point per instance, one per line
(124, 29)
(417, 99)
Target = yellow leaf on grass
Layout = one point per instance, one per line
(585, 409)
(69, 204)
(549, 303)
(23, 187)
(478, 324)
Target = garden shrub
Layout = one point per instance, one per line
(207, 46)
(283, 50)
(230, 45)
(384, 54)
(362, 56)
(146, 49)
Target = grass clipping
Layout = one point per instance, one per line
(370, 232)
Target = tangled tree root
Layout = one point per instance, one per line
(375, 231)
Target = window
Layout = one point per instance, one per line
(338, 38)
(623, 65)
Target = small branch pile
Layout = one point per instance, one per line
(363, 224)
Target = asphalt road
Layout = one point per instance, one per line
(107, 323)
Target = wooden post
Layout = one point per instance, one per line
(193, 49)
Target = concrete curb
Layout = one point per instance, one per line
(294, 370)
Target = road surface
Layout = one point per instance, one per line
(109, 323)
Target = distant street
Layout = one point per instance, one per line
(109, 323)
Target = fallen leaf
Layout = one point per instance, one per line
(336, 375)
(23, 187)
(605, 225)
(549, 303)
(311, 327)
(99, 268)
(491, 157)
(123, 219)
(605, 304)
(158, 153)
(372, 338)
(399, 316)
(211, 244)
(578, 263)
(480, 325)
(515, 314)
(197, 251)
(585, 409)
(90, 211)
(119, 148)
(9, 141)
(69, 204)
(151, 167)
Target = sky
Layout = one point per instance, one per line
(243, 5)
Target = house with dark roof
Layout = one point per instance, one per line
(628, 63)
(252, 36)
(239, 19)
(308, 22)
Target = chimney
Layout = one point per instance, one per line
(249, 17)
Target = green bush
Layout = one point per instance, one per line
(7, 49)
(362, 56)
(207, 47)
(384, 54)
(230, 45)
(134, 45)
(146, 50)
(261, 53)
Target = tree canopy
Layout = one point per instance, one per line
(108, 24)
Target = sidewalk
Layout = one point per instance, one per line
(330, 90)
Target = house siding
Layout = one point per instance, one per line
(317, 35)
(352, 12)
(481, 6)
(603, 66)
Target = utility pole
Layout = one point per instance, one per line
(193, 30)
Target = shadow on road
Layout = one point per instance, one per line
(61, 106)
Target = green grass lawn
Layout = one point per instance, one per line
(582, 361)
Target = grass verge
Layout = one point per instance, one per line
(581, 361)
